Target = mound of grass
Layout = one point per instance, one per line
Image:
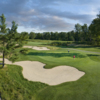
(59, 44)
(94, 57)
(24, 51)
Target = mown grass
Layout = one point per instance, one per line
(94, 57)
(86, 88)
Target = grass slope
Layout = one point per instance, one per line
(14, 87)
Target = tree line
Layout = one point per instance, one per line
(83, 33)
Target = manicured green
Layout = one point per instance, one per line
(86, 88)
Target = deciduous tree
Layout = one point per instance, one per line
(95, 30)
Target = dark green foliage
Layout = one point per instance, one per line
(24, 51)
(64, 36)
(85, 33)
(32, 35)
(78, 32)
(95, 31)
(14, 57)
(70, 36)
(59, 44)
(24, 35)
(46, 36)
(39, 36)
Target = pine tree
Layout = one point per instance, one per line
(3, 37)
(10, 40)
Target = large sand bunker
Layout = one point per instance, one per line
(34, 71)
(36, 48)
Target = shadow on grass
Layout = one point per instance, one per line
(77, 55)
(94, 57)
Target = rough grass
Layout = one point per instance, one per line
(14, 87)
(94, 57)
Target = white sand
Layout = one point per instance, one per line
(34, 71)
(36, 48)
(0, 53)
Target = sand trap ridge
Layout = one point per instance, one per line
(36, 48)
(34, 71)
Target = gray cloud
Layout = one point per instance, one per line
(46, 23)
(39, 14)
(12, 6)
(74, 16)
(53, 24)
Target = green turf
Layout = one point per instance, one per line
(85, 47)
(94, 57)
(14, 87)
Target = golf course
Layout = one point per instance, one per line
(16, 84)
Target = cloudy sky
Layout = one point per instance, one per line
(49, 15)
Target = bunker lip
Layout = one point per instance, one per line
(36, 48)
(35, 71)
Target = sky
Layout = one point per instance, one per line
(49, 15)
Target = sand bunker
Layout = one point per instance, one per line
(0, 54)
(34, 71)
(36, 48)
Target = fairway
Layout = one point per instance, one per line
(85, 88)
